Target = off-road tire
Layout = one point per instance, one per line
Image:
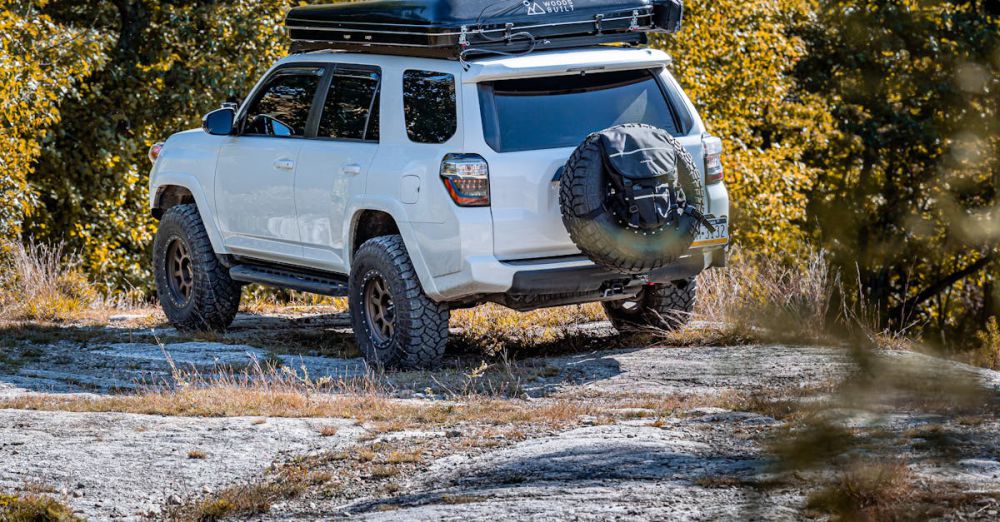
(665, 307)
(420, 330)
(214, 298)
(598, 234)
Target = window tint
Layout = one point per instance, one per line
(561, 111)
(429, 105)
(351, 106)
(283, 107)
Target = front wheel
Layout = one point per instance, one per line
(663, 306)
(395, 323)
(194, 288)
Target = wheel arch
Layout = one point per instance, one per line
(368, 224)
(377, 217)
(172, 190)
(169, 196)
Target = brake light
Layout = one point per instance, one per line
(154, 151)
(467, 179)
(714, 173)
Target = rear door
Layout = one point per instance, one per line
(334, 164)
(533, 126)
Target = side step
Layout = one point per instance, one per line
(290, 279)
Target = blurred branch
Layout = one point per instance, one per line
(899, 313)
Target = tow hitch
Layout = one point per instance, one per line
(614, 287)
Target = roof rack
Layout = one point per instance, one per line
(462, 29)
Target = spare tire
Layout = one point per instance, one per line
(591, 199)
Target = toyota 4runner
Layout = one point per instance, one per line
(415, 186)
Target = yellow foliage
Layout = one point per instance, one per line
(735, 61)
(988, 354)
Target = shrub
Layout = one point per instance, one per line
(988, 354)
(34, 508)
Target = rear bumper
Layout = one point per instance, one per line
(593, 277)
(576, 278)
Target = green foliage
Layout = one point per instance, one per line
(907, 189)
(170, 62)
(41, 64)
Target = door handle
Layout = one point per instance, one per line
(284, 164)
(352, 170)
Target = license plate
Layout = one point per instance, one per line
(720, 237)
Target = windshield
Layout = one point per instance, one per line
(561, 111)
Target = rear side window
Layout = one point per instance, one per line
(351, 110)
(561, 111)
(429, 105)
(282, 108)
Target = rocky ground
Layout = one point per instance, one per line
(711, 457)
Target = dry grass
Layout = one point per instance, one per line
(762, 297)
(496, 330)
(327, 431)
(197, 455)
(866, 490)
(264, 300)
(40, 282)
(249, 499)
(404, 457)
(260, 392)
(266, 401)
(34, 508)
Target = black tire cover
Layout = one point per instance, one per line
(599, 233)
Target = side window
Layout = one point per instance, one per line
(429, 105)
(282, 108)
(352, 106)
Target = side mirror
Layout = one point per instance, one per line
(219, 122)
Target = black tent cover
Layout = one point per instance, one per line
(463, 28)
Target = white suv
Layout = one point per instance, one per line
(415, 186)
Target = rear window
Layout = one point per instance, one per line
(429, 106)
(561, 111)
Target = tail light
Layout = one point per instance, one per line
(467, 179)
(154, 151)
(713, 160)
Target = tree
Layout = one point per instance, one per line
(736, 61)
(907, 191)
(168, 62)
(42, 62)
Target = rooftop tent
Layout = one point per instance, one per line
(462, 28)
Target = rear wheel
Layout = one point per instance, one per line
(664, 306)
(193, 287)
(395, 323)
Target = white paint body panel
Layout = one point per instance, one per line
(308, 217)
(255, 197)
(324, 184)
